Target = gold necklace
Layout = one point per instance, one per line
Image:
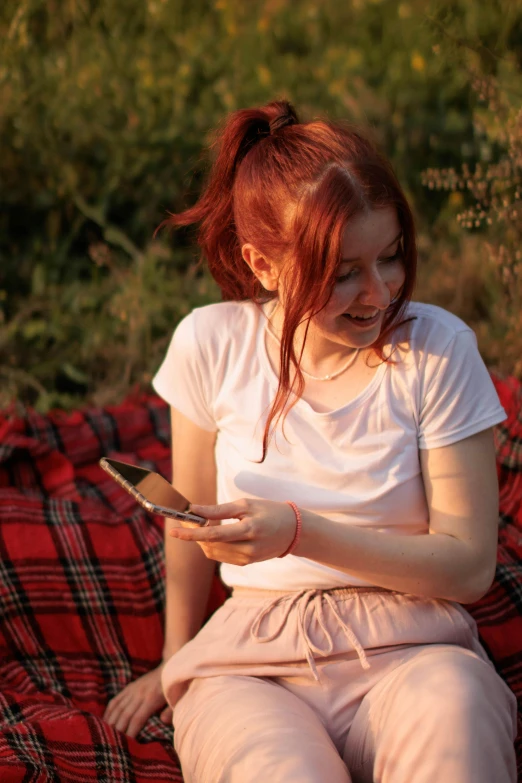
(328, 377)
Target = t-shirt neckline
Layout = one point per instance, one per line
(301, 404)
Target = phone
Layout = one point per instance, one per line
(152, 491)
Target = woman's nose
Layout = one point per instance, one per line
(375, 291)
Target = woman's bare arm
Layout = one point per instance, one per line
(188, 572)
(188, 579)
(456, 561)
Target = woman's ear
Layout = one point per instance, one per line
(266, 271)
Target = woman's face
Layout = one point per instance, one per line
(370, 275)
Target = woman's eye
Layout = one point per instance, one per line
(352, 274)
(348, 276)
(396, 257)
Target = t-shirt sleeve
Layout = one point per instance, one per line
(460, 398)
(183, 379)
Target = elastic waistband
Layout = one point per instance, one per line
(335, 592)
(306, 603)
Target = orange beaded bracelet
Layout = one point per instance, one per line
(298, 524)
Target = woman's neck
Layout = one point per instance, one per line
(321, 356)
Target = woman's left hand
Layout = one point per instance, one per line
(265, 530)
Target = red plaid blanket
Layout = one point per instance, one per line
(81, 590)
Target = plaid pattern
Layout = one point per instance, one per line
(81, 596)
(499, 613)
(81, 590)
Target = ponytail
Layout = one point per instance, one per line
(214, 210)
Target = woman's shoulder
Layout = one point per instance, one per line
(204, 345)
(432, 340)
(223, 317)
(219, 331)
(217, 324)
(447, 379)
(433, 326)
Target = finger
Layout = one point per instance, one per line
(122, 721)
(237, 531)
(120, 718)
(208, 550)
(137, 721)
(166, 715)
(122, 711)
(109, 710)
(112, 703)
(114, 709)
(139, 717)
(234, 554)
(234, 510)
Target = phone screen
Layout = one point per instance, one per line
(151, 485)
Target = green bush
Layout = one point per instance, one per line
(488, 197)
(106, 106)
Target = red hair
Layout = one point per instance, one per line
(265, 161)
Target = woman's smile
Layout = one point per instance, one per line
(363, 321)
(371, 274)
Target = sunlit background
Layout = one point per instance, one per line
(105, 108)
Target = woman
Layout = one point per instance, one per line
(345, 434)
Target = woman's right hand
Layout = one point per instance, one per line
(130, 709)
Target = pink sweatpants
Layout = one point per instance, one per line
(355, 684)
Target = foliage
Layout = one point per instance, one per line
(489, 194)
(116, 327)
(107, 104)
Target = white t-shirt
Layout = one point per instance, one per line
(359, 464)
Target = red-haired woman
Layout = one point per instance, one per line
(345, 434)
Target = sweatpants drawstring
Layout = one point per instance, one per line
(306, 602)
